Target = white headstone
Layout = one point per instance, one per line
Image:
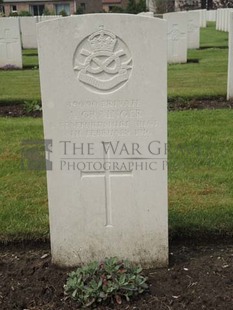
(10, 43)
(28, 31)
(225, 25)
(211, 16)
(177, 37)
(104, 107)
(230, 59)
(229, 20)
(222, 20)
(193, 29)
(203, 18)
(217, 19)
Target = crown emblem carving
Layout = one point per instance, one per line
(102, 61)
(102, 40)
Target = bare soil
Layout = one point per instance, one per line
(198, 277)
(18, 110)
(195, 104)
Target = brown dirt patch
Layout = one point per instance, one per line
(199, 277)
(195, 104)
(18, 110)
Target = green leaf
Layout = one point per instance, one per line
(74, 293)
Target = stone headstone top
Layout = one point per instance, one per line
(105, 108)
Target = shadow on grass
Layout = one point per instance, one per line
(30, 67)
(32, 54)
(212, 46)
(193, 61)
(189, 61)
(25, 67)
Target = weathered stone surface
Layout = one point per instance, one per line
(105, 108)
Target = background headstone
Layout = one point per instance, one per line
(218, 19)
(177, 37)
(193, 29)
(101, 84)
(211, 15)
(229, 20)
(10, 43)
(225, 25)
(203, 18)
(222, 20)
(28, 32)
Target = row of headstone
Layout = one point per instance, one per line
(193, 29)
(223, 19)
(183, 34)
(230, 59)
(17, 33)
(203, 17)
(28, 29)
(104, 98)
(27, 25)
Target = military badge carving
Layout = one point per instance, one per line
(102, 62)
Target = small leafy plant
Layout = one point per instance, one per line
(32, 106)
(109, 280)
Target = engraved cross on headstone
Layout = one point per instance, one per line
(192, 27)
(7, 41)
(107, 175)
(175, 35)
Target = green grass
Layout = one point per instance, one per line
(23, 196)
(212, 38)
(206, 78)
(201, 173)
(21, 85)
(200, 177)
(30, 58)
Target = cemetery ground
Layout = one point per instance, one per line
(200, 193)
